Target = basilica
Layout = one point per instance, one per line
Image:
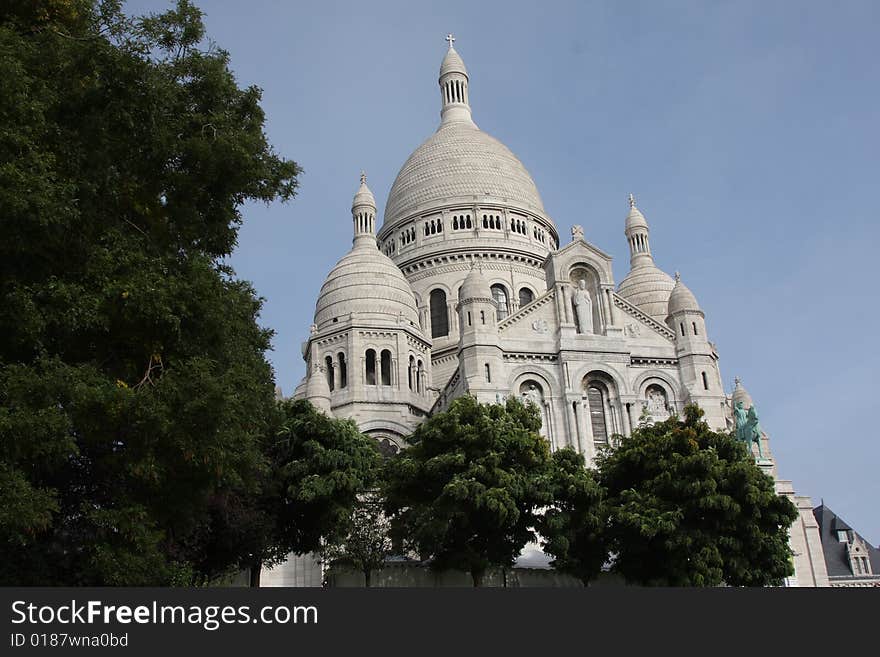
(468, 289)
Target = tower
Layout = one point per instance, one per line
(697, 360)
(479, 351)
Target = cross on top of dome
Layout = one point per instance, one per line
(450, 39)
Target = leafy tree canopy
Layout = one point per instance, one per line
(133, 383)
(572, 526)
(467, 493)
(689, 507)
(319, 469)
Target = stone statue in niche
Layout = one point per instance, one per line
(656, 403)
(583, 308)
(534, 396)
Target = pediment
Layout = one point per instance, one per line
(534, 321)
(639, 325)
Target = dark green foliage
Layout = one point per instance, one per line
(317, 468)
(134, 393)
(573, 525)
(466, 495)
(689, 507)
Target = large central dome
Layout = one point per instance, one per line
(460, 163)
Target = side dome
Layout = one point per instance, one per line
(460, 163)
(648, 288)
(682, 298)
(368, 283)
(475, 286)
(740, 394)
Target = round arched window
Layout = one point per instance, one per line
(499, 295)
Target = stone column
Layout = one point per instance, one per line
(575, 406)
(609, 302)
(588, 425)
(566, 304)
(572, 424)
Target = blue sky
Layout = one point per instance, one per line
(748, 132)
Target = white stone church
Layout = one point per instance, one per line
(467, 289)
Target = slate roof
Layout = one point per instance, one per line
(836, 559)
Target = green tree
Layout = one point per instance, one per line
(572, 526)
(689, 507)
(466, 494)
(134, 389)
(319, 468)
(367, 541)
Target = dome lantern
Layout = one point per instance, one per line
(455, 103)
(363, 214)
(646, 286)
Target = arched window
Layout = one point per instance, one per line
(343, 370)
(371, 367)
(499, 295)
(386, 367)
(525, 297)
(410, 373)
(419, 369)
(681, 328)
(488, 374)
(597, 395)
(439, 314)
(694, 324)
(329, 371)
(705, 381)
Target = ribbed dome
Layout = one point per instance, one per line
(452, 63)
(635, 219)
(475, 286)
(682, 298)
(460, 163)
(367, 282)
(363, 197)
(648, 288)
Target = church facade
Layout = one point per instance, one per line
(467, 288)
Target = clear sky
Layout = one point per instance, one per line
(748, 132)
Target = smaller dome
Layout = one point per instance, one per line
(648, 288)
(475, 286)
(318, 390)
(635, 218)
(452, 63)
(366, 281)
(682, 298)
(363, 197)
(740, 394)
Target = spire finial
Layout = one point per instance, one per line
(450, 39)
(363, 177)
(632, 201)
(677, 277)
(737, 380)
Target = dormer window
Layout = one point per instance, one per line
(842, 536)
